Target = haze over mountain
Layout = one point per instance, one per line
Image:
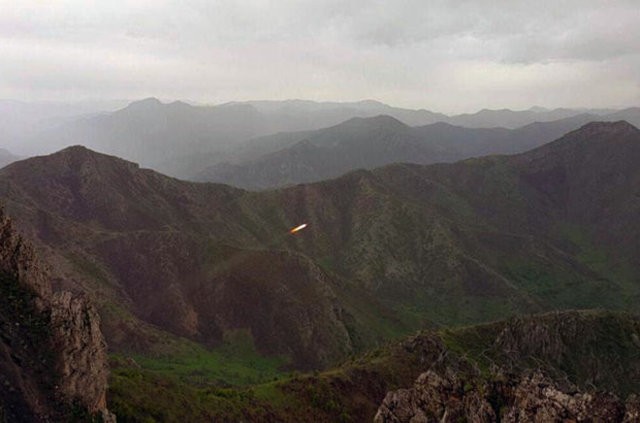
(181, 139)
(20, 120)
(6, 157)
(460, 243)
(290, 158)
(505, 118)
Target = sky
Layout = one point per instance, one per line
(448, 56)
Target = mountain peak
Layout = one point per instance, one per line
(601, 132)
(70, 159)
(81, 152)
(618, 127)
(177, 103)
(75, 149)
(598, 143)
(371, 103)
(146, 103)
(382, 121)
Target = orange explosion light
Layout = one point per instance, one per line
(298, 228)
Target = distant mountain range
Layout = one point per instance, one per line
(21, 120)
(6, 157)
(334, 112)
(181, 139)
(365, 143)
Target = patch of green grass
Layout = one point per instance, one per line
(138, 395)
(235, 363)
(440, 311)
(192, 383)
(600, 260)
(88, 267)
(557, 287)
(327, 263)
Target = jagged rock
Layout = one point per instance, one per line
(52, 352)
(531, 398)
(632, 406)
(18, 258)
(81, 349)
(435, 398)
(537, 399)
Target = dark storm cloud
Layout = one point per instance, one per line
(446, 55)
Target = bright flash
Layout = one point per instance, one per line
(298, 228)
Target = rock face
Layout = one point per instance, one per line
(538, 399)
(81, 349)
(569, 366)
(53, 361)
(527, 398)
(435, 398)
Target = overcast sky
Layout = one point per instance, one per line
(449, 56)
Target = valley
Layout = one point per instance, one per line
(187, 276)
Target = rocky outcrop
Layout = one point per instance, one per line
(560, 366)
(435, 398)
(52, 354)
(526, 398)
(82, 363)
(18, 259)
(537, 398)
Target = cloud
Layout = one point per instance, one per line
(436, 54)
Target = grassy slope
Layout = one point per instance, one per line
(608, 357)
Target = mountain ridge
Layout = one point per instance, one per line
(177, 137)
(443, 244)
(372, 142)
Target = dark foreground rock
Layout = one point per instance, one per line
(532, 397)
(53, 361)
